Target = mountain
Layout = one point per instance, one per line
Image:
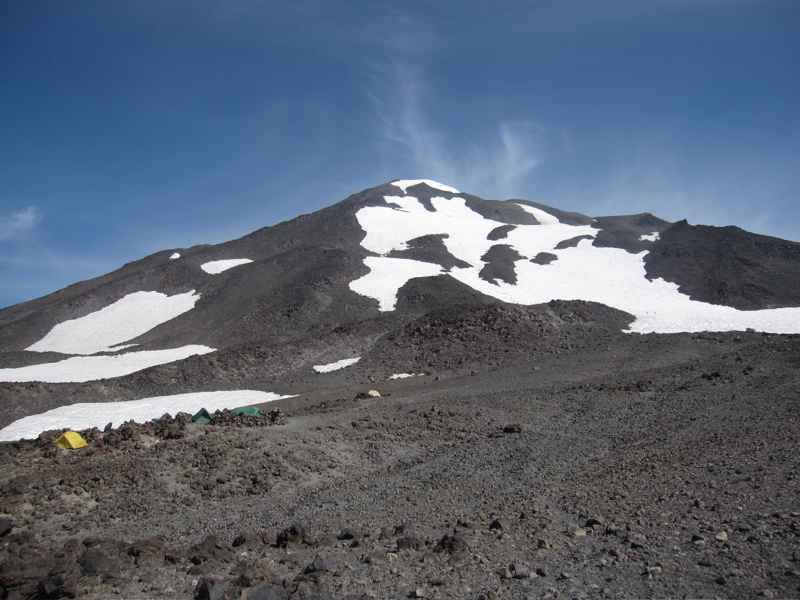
(544, 375)
(334, 283)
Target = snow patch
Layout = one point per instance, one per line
(341, 364)
(174, 255)
(104, 330)
(404, 184)
(215, 267)
(387, 275)
(543, 217)
(91, 368)
(99, 414)
(649, 237)
(405, 375)
(611, 276)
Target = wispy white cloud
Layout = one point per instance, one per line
(520, 153)
(496, 163)
(17, 224)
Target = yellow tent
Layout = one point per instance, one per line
(71, 441)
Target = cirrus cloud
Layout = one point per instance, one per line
(495, 163)
(18, 223)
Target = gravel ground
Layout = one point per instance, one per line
(540, 455)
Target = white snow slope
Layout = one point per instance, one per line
(79, 369)
(611, 276)
(125, 319)
(104, 331)
(335, 366)
(99, 414)
(215, 267)
(407, 183)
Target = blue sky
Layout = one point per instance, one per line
(133, 126)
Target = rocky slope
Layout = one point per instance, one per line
(581, 463)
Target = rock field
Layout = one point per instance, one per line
(540, 453)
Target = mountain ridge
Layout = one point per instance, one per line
(302, 272)
(303, 280)
(335, 229)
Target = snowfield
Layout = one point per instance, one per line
(610, 276)
(99, 414)
(335, 366)
(407, 183)
(215, 267)
(79, 369)
(387, 275)
(104, 330)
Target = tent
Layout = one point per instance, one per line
(202, 417)
(251, 411)
(71, 441)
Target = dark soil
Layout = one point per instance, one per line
(541, 454)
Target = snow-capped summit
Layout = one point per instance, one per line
(543, 261)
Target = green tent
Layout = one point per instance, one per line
(248, 410)
(202, 417)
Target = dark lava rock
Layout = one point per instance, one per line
(347, 534)
(250, 539)
(499, 261)
(148, 549)
(410, 542)
(51, 587)
(210, 588)
(451, 544)
(322, 562)
(544, 258)
(572, 242)
(255, 572)
(500, 524)
(5, 526)
(297, 534)
(501, 232)
(211, 548)
(431, 249)
(265, 592)
(104, 557)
